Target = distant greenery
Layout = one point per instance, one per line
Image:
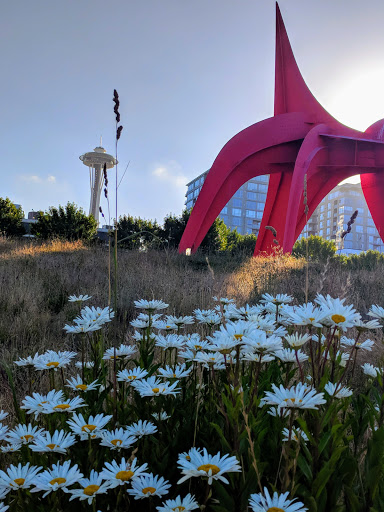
(10, 218)
(319, 249)
(69, 223)
(137, 233)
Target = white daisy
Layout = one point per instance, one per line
(122, 352)
(154, 387)
(259, 341)
(3, 431)
(149, 485)
(162, 416)
(77, 384)
(61, 476)
(91, 487)
(296, 435)
(276, 503)
(179, 504)
(3, 415)
(10, 448)
(371, 370)
(123, 472)
(79, 298)
(209, 359)
(178, 372)
(141, 428)
(257, 358)
(376, 312)
(208, 466)
(91, 427)
(38, 403)
(23, 434)
(362, 326)
(307, 314)
(288, 355)
(150, 305)
(180, 321)
(280, 298)
(3, 507)
(300, 396)
(96, 315)
(52, 360)
(28, 361)
(58, 442)
(297, 340)
(337, 390)
(196, 344)
(87, 364)
(117, 439)
(18, 477)
(131, 375)
(351, 343)
(169, 341)
(66, 405)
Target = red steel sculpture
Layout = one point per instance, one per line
(301, 139)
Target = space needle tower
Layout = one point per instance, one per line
(96, 160)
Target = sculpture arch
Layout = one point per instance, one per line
(302, 138)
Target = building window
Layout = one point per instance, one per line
(371, 231)
(263, 188)
(196, 192)
(252, 186)
(236, 212)
(259, 215)
(260, 206)
(238, 193)
(322, 207)
(251, 195)
(359, 229)
(237, 221)
(238, 203)
(224, 210)
(251, 205)
(250, 213)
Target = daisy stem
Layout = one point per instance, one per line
(349, 360)
(300, 368)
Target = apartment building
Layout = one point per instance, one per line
(244, 210)
(330, 219)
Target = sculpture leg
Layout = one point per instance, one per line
(373, 190)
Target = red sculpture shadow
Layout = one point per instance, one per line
(302, 138)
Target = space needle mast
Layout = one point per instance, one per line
(96, 160)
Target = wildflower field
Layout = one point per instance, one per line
(213, 385)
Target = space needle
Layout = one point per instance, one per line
(96, 160)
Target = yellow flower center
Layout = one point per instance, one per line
(225, 351)
(113, 357)
(174, 375)
(168, 327)
(124, 475)
(131, 377)
(180, 508)
(188, 457)
(116, 442)
(83, 387)
(58, 480)
(88, 428)
(198, 347)
(150, 490)
(155, 390)
(338, 319)
(275, 509)
(51, 446)
(238, 336)
(311, 319)
(19, 481)
(53, 363)
(91, 489)
(206, 467)
(27, 437)
(62, 406)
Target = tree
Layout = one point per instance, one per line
(137, 233)
(319, 249)
(10, 218)
(215, 240)
(69, 222)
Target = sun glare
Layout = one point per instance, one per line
(358, 101)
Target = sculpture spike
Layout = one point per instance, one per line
(291, 91)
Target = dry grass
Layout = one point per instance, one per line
(36, 280)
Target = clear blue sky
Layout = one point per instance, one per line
(190, 74)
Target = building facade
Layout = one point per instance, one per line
(245, 210)
(330, 219)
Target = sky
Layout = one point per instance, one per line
(190, 75)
